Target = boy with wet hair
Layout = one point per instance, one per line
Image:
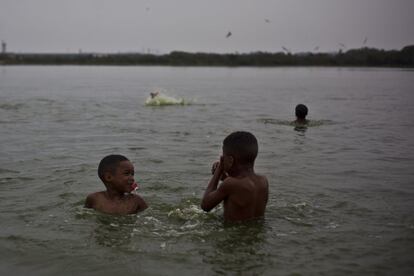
(301, 111)
(244, 193)
(117, 174)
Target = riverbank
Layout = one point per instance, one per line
(354, 57)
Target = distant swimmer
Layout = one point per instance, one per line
(301, 111)
(228, 34)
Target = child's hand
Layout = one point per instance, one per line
(218, 165)
(215, 166)
(223, 172)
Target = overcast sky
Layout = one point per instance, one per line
(201, 25)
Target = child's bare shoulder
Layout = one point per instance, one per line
(256, 178)
(96, 195)
(262, 181)
(235, 184)
(139, 201)
(262, 178)
(93, 198)
(231, 181)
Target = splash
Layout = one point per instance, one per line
(188, 213)
(161, 99)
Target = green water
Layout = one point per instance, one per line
(341, 191)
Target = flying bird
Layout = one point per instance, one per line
(316, 48)
(267, 20)
(365, 40)
(286, 49)
(228, 34)
(342, 45)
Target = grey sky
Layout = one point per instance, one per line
(201, 25)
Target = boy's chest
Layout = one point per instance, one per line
(127, 206)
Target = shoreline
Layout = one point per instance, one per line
(363, 57)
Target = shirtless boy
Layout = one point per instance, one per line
(301, 111)
(117, 174)
(244, 193)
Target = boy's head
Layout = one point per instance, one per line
(117, 173)
(109, 164)
(242, 147)
(301, 111)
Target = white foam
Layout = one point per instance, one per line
(162, 99)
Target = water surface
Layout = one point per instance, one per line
(341, 191)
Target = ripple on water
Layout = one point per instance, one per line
(12, 106)
(162, 221)
(311, 123)
(363, 231)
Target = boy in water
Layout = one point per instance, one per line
(243, 192)
(117, 174)
(301, 111)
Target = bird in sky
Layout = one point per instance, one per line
(316, 48)
(228, 34)
(267, 20)
(342, 45)
(365, 40)
(286, 49)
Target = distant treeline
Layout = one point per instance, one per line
(354, 57)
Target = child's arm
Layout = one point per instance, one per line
(142, 205)
(90, 201)
(213, 196)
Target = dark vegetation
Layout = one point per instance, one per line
(353, 57)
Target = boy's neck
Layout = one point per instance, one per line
(301, 120)
(113, 194)
(242, 170)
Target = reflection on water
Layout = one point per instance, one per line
(301, 128)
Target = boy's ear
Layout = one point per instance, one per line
(107, 176)
(231, 161)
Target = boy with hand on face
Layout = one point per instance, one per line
(117, 174)
(244, 193)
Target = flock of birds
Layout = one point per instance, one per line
(342, 46)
